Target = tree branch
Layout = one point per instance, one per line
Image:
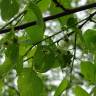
(59, 5)
(79, 27)
(70, 11)
(89, 18)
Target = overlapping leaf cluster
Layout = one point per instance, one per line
(30, 52)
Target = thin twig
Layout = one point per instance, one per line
(44, 40)
(80, 26)
(19, 19)
(16, 17)
(41, 41)
(87, 19)
(59, 5)
(28, 59)
(70, 11)
(93, 21)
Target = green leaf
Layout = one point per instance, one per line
(71, 22)
(30, 84)
(63, 85)
(90, 39)
(1, 86)
(36, 32)
(8, 9)
(55, 10)
(12, 92)
(5, 67)
(44, 58)
(19, 65)
(89, 71)
(38, 14)
(65, 3)
(12, 51)
(44, 4)
(80, 39)
(80, 91)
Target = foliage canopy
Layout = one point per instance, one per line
(39, 36)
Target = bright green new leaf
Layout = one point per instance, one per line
(80, 91)
(36, 32)
(8, 9)
(63, 85)
(29, 83)
(89, 71)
